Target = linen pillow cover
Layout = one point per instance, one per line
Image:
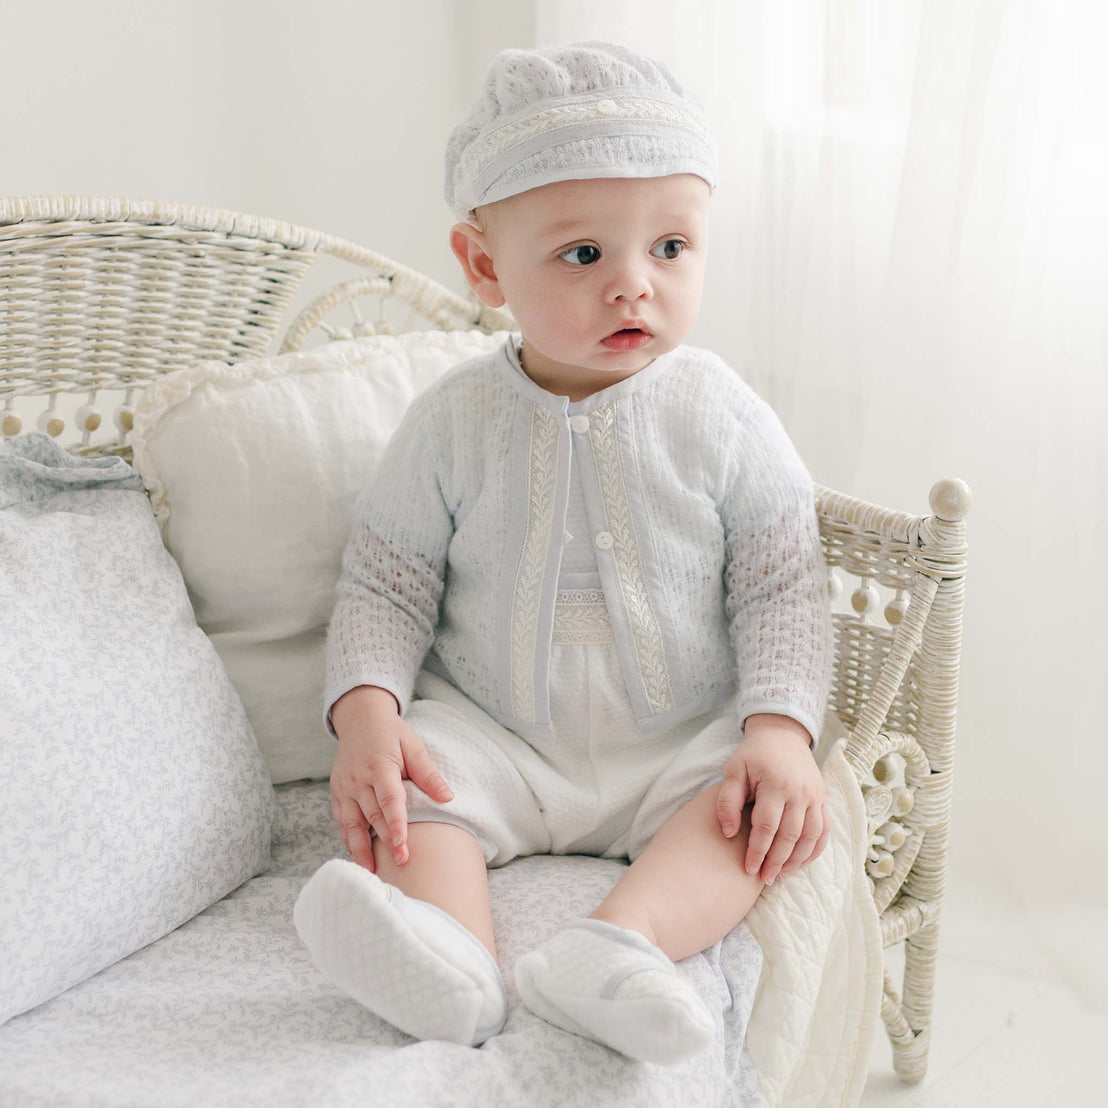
(134, 793)
(253, 471)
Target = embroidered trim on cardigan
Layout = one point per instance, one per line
(646, 634)
(542, 481)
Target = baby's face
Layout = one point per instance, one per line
(577, 261)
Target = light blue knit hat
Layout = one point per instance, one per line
(590, 109)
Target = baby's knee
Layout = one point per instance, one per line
(437, 850)
(728, 850)
(706, 804)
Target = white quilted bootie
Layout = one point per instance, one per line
(406, 960)
(614, 986)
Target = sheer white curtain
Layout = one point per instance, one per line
(909, 260)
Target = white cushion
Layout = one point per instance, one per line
(134, 794)
(253, 470)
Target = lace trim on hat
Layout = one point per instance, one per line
(628, 109)
(542, 480)
(646, 634)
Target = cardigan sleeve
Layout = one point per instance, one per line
(775, 576)
(393, 566)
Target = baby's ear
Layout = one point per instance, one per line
(471, 248)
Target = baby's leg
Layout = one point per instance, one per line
(611, 977)
(688, 888)
(445, 867)
(414, 942)
(414, 945)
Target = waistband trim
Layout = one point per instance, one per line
(581, 616)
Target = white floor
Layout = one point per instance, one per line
(1021, 1012)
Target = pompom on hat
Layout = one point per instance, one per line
(590, 109)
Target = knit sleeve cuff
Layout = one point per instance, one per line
(339, 691)
(804, 718)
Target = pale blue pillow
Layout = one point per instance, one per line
(132, 791)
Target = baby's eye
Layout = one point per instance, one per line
(669, 243)
(573, 250)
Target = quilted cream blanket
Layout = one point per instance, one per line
(819, 993)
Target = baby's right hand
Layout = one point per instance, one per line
(377, 750)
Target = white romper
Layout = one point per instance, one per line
(600, 786)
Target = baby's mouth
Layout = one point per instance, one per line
(627, 338)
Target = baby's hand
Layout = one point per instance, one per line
(773, 767)
(377, 750)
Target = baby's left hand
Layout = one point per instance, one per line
(774, 768)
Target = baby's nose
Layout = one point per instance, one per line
(630, 283)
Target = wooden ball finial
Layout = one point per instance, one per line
(951, 499)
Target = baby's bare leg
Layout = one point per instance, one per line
(446, 868)
(611, 977)
(688, 888)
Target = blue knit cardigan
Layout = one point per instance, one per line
(702, 515)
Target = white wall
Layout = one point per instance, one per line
(332, 114)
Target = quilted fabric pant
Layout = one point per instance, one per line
(599, 787)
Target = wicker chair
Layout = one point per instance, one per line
(104, 294)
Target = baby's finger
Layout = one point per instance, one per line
(765, 818)
(421, 770)
(805, 845)
(825, 834)
(394, 804)
(376, 820)
(730, 803)
(784, 842)
(355, 834)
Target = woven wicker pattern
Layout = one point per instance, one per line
(895, 687)
(107, 293)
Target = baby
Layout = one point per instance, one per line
(583, 608)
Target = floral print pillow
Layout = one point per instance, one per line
(132, 791)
